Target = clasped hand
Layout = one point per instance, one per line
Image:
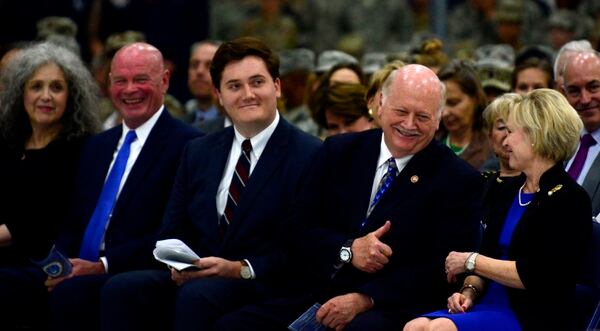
(369, 254)
(455, 265)
(459, 303)
(80, 268)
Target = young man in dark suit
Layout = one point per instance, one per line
(125, 177)
(233, 191)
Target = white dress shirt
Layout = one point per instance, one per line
(142, 132)
(259, 142)
(384, 155)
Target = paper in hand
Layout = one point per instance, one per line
(308, 321)
(175, 253)
(55, 264)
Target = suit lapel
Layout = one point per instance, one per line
(408, 182)
(105, 153)
(365, 163)
(214, 175)
(273, 155)
(150, 153)
(592, 180)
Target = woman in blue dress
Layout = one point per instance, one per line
(537, 231)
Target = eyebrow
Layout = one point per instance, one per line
(249, 78)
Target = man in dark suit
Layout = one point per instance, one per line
(387, 251)
(379, 213)
(128, 227)
(232, 193)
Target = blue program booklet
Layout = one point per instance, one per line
(308, 321)
(55, 264)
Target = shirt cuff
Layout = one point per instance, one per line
(105, 263)
(251, 269)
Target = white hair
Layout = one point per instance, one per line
(577, 46)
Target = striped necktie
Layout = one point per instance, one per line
(239, 180)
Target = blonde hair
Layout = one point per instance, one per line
(553, 126)
(380, 76)
(499, 109)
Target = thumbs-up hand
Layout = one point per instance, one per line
(369, 254)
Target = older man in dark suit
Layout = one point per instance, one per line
(383, 208)
(125, 177)
(232, 193)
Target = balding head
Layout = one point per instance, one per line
(138, 82)
(412, 99)
(582, 87)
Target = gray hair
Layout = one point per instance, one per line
(81, 115)
(571, 46)
(385, 89)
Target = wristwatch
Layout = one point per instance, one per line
(470, 263)
(346, 251)
(245, 271)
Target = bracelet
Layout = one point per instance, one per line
(472, 287)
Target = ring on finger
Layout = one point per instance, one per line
(449, 310)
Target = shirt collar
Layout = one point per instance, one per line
(259, 141)
(143, 131)
(385, 154)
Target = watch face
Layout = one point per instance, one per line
(344, 255)
(245, 273)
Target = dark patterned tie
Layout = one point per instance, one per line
(238, 183)
(586, 142)
(384, 184)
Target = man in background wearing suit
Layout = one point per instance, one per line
(382, 209)
(232, 193)
(125, 178)
(582, 89)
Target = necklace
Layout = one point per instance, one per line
(521, 201)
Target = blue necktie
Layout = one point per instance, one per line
(90, 247)
(384, 184)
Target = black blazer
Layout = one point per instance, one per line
(548, 245)
(138, 212)
(433, 205)
(256, 230)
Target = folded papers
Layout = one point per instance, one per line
(176, 254)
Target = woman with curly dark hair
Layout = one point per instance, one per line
(48, 106)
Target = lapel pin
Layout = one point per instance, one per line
(414, 179)
(556, 188)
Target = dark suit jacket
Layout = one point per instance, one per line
(255, 232)
(548, 245)
(138, 212)
(591, 184)
(433, 206)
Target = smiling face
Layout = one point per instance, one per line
(138, 83)
(582, 88)
(45, 97)
(409, 111)
(518, 145)
(249, 95)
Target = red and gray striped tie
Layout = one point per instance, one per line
(238, 183)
